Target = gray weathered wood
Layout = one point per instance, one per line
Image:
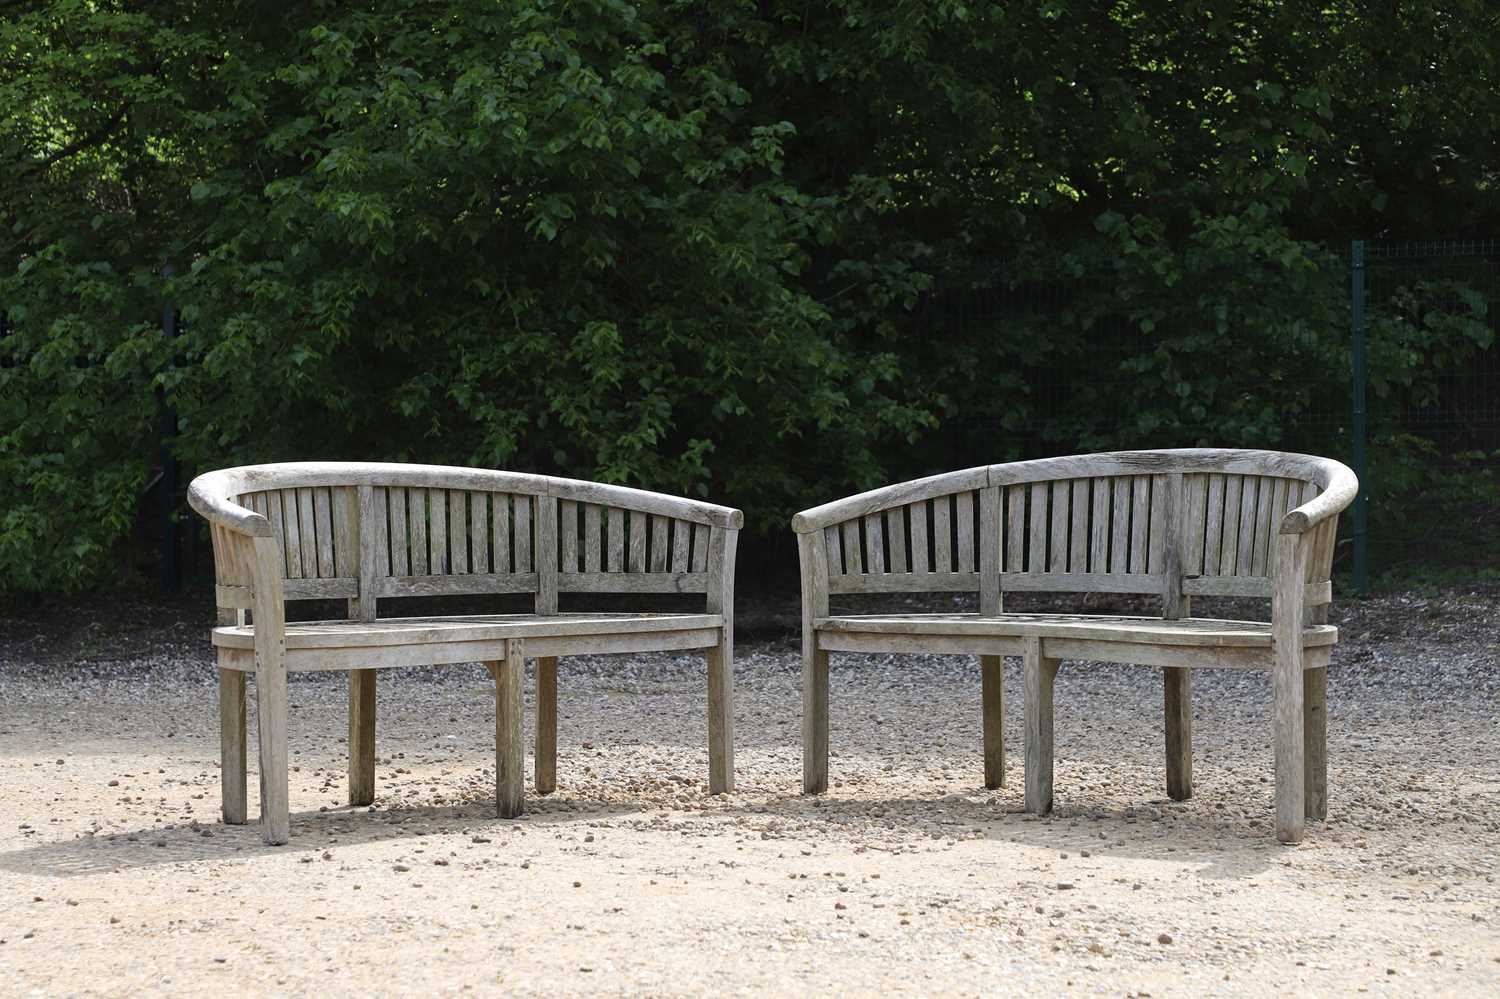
(875, 542)
(1078, 529)
(1036, 548)
(963, 515)
(546, 724)
(1057, 535)
(921, 557)
(1315, 742)
(637, 561)
(723, 546)
(346, 532)
(1213, 539)
(659, 530)
(814, 561)
(907, 582)
(371, 528)
(942, 534)
(1168, 513)
(416, 513)
(323, 517)
(1119, 542)
(616, 560)
(361, 736)
(307, 532)
(458, 532)
(854, 560)
(438, 560)
(1015, 529)
(1233, 501)
(266, 562)
(1159, 532)
(1244, 560)
(645, 582)
(593, 539)
(500, 521)
(232, 746)
(1195, 521)
(1140, 523)
(833, 545)
(1292, 552)
(523, 511)
(989, 552)
(1040, 673)
(285, 523)
(510, 746)
(700, 548)
(567, 535)
(479, 532)
(1099, 526)
(1177, 697)
(400, 553)
(681, 546)
(546, 555)
(992, 706)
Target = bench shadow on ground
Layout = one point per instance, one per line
(1180, 834)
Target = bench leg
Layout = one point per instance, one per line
(721, 719)
(271, 710)
(1177, 697)
(992, 697)
(232, 745)
(546, 724)
(815, 722)
(510, 747)
(1040, 674)
(1315, 742)
(1291, 799)
(361, 736)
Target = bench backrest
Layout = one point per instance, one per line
(364, 531)
(1175, 523)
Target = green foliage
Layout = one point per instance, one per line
(699, 246)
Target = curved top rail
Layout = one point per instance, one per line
(1334, 478)
(209, 494)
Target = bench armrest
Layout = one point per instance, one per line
(208, 495)
(1335, 497)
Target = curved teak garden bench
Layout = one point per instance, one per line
(363, 532)
(1173, 523)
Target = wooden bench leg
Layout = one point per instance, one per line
(1040, 674)
(510, 746)
(1177, 697)
(546, 724)
(232, 746)
(992, 697)
(1315, 742)
(361, 736)
(721, 719)
(271, 710)
(1291, 798)
(815, 722)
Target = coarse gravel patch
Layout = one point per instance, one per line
(117, 877)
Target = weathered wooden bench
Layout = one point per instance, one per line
(365, 532)
(1173, 523)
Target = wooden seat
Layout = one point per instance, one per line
(368, 532)
(433, 641)
(1173, 524)
(1098, 638)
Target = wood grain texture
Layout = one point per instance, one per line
(500, 521)
(265, 569)
(637, 559)
(371, 526)
(400, 551)
(1140, 523)
(700, 548)
(963, 515)
(849, 543)
(723, 548)
(895, 535)
(437, 531)
(593, 539)
(833, 545)
(659, 531)
(232, 747)
(1036, 548)
(1292, 552)
(616, 527)
(525, 533)
(308, 528)
(323, 528)
(992, 706)
(546, 724)
(567, 535)
(479, 533)
(416, 513)
(510, 746)
(1015, 529)
(1119, 541)
(458, 532)
(1244, 560)
(1177, 698)
(1233, 501)
(1214, 529)
(1040, 673)
(942, 534)
(814, 560)
(989, 552)
(545, 555)
(875, 542)
(681, 546)
(1057, 535)
(361, 736)
(1078, 529)
(921, 557)
(1194, 522)
(1315, 742)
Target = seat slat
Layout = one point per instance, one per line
(1202, 632)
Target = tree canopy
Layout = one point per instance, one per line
(698, 246)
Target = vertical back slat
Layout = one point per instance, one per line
(1119, 534)
(543, 550)
(567, 534)
(525, 547)
(988, 541)
(616, 560)
(1249, 499)
(416, 516)
(895, 536)
(1194, 498)
(291, 540)
(964, 514)
(637, 557)
(396, 507)
(680, 545)
(1213, 533)
(437, 531)
(1140, 521)
(346, 532)
(875, 542)
(833, 542)
(382, 533)
(500, 531)
(307, 526)
(659, 543)
(1272, 495)
(700, 547)
(942, 533)
(479, 532)
(921, 561)
(323, 516)
(1057, 535)
(1233, 486)
(1036, 551)
(1078, 532)
(1015, 535)
(593, 539)
(458, 532)
(1156, 546)
(854, 560)
(1099, 533)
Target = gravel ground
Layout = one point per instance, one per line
(116, 877)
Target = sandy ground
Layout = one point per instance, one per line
(117, 878)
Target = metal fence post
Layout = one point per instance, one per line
(166, 431)
(1359, 416)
